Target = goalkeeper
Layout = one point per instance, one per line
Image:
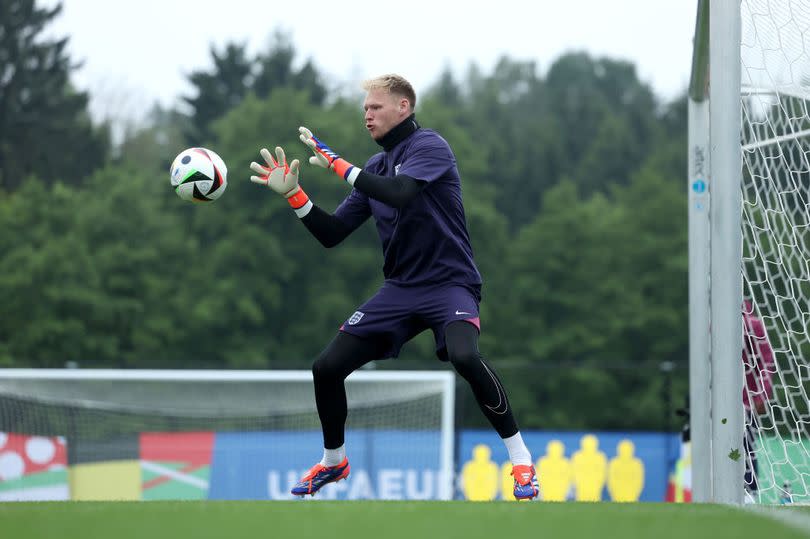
(412, 189)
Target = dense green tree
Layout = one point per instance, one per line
(44, 124)
(445, 91)
(601, 285)
(154, 146)
(218, 90)
(276, 70)
(234, 74)
(508, 117)
(582, 91)
(92, 275)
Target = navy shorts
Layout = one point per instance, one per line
(397, 314)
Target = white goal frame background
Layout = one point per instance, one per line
(445, 378)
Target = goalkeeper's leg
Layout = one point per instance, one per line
(345, 354)
(461, 340)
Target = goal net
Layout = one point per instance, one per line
(107, 434)
(775, 88)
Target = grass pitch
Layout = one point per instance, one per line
(392, 520)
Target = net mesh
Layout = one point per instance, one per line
(775, 73)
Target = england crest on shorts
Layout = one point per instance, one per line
(355, 318)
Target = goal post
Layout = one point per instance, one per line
(225, 434)
(699, 266)
(749, 243)
(726, 279)
(715, 287)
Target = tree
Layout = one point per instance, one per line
(446, 91)
(509, 116)
(218, 90)
(234, 75)
(100, 275)
(276, 70)
(308, 78)
(155, 145)
(606, 118)
(44, 124)
(600, 285)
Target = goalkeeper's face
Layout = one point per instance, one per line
(384, 111)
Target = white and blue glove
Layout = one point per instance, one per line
(327, 158)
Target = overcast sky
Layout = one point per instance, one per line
(138, 52)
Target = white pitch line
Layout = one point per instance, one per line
(177, 476)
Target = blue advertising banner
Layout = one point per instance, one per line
(404, 465)
(387, 464)
(583, 466)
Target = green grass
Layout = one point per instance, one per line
(385, 520)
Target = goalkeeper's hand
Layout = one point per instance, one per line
(283, 179)
(326, 157)
(277, 175)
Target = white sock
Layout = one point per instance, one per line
(333, 457)
(518, 452)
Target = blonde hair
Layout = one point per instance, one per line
(394, 84)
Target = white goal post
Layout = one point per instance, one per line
(749, 241)
(400, 430)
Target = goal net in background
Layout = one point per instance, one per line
(775, 90)
(87, 434)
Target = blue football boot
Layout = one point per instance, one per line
(320, 475)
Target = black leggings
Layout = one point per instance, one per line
(347, 353)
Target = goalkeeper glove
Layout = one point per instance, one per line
(280, 177)
(327, 158)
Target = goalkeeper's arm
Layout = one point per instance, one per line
(283, 179)
(326, 227)
(397, 191)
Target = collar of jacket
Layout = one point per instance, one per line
(399, 133)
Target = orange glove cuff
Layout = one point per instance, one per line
(342, 167)
(298, 199)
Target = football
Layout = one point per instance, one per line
(199, 175)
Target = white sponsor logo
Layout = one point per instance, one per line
(355, 318)
(461, 312)
(384, 484)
